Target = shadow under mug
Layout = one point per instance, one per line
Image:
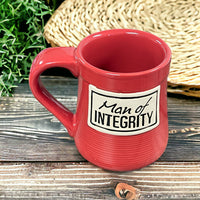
(121, 120)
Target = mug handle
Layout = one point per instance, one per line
(49, 58)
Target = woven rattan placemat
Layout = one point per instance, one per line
(177, 22)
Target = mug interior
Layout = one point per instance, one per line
(124, 53)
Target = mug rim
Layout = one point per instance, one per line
(165, 62)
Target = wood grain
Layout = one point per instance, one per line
(28, 132)
(40, 161)
(66, 180)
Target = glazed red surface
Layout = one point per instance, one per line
(120, 61)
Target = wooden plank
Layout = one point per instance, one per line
(28, 132)
(161, 180)
(184, 130)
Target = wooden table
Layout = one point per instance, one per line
(40, 161)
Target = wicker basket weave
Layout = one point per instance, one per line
(177, 22)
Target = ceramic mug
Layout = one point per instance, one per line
(121, 120)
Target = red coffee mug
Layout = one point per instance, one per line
(121, 119)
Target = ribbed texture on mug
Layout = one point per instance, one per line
(122, 153)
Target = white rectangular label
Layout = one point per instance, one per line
(123, 113)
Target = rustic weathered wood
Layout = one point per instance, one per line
(161, 180)
(28, 132)
(38, 159)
